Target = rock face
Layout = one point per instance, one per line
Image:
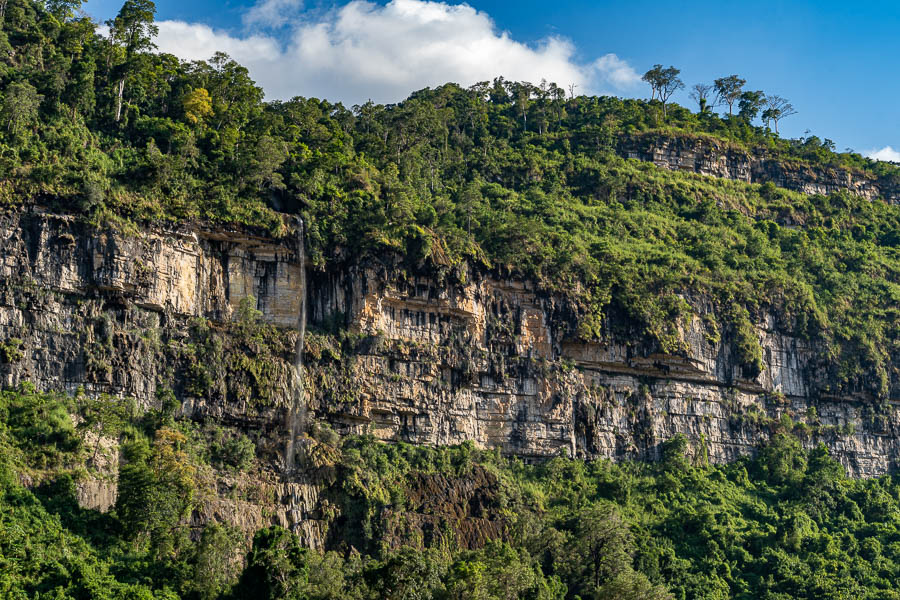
(423, 360)
(496, 362)
(91, 307)
(718, 159)
(471, 504)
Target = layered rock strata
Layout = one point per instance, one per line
(426, 360)
(716, 158)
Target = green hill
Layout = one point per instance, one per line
(502, 177)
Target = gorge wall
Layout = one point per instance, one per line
(426, 360)
(717, 158)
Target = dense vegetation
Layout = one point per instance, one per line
(788, 524)
(505, 176)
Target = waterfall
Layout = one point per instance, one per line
(297, 413)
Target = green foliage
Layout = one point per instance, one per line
(204, 358)
(198, 106)
(786, 524)
(500, 571)
(509, 177)
(11, 351)
(516, 180)
(41, 557)
(674, 453)
(102, 416)
(155, 495)
(38, 431)
(782, 461)
(223, 448)
(49, 547)
(218, 562)
(246, 358)
(252, 363)
(277, 567)
(747, 347)
(20, 106)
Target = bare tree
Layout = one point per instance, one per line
(663, 83)
(777, 108)
(700, 94)
(729, 89)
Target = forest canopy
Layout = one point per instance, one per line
(509, 178)
(786, 524)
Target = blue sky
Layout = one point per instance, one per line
(835, 61)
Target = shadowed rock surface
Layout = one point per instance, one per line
(717, 158)
(405, 358)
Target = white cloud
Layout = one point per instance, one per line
(616, 71)
(887, 153)
(272, 13)
(362, 50)
(200, 42)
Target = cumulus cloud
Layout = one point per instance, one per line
(199, 42)
(272, 13)
(612, 69)
(887, 153)
(363, 50)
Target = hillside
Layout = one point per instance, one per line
(417, 523)
(514, 180)
(613, 354)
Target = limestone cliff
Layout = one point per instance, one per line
(425, 359)
(717, 158)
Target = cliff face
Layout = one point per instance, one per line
(497, 362)
(718, 159)
(422, 360)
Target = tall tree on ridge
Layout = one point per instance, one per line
(132, 29)
(63, 9)
(522, 92)
(777, 108)
(663, 83)
(729, 89)
(750, 103)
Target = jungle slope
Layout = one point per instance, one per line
(453, 187)
(504, 177)
(787, 524)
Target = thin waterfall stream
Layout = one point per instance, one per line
(297, 412)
